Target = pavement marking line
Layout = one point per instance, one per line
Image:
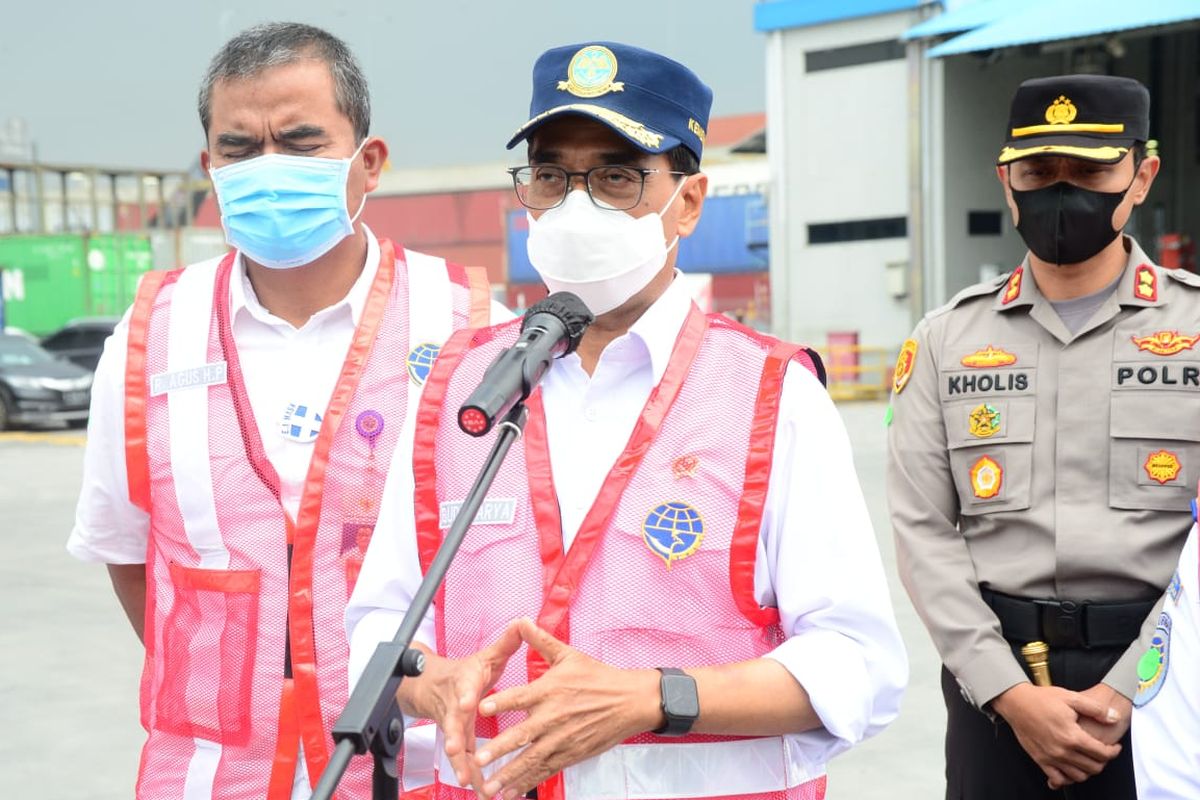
(70, 440)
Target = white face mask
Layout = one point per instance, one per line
(602, 255)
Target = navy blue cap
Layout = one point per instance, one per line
(652, 101)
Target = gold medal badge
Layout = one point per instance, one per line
(1165, 343)
(591, 73)
(904, 365)
(984, 421)
(986, 478)
(1162, 466)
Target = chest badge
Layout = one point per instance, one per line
(673, 531)
(989, 357)
(685, 467)
(301, 423)
(420, 361)
(904, 365)
(987, 477)
(984, 421)
(1162, 466)
(1165, 343)
(1145, 283)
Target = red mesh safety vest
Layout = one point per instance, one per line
(661, 572)
(245, 645)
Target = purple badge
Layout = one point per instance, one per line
(369, 425)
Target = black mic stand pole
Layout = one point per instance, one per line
(371, 719)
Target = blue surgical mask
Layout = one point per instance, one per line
(285, 211)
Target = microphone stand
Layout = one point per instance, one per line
(371, 719)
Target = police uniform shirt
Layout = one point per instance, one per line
(1166, 714)
(1042, 464)
(817, 560)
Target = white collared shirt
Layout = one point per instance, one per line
(281, 365)
(817, 559)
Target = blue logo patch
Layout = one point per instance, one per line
(1152, 666)
(420, 361)
(1175, 588)
(673, 531)
(301, 423)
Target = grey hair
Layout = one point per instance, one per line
(275, 44)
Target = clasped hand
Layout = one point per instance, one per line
(578, 708)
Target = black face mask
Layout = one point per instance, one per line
(1064, 224)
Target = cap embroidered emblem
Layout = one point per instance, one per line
(1061, 112)
(672, 531)
(420, 361)
(685, 467)
(1145, 283)
(984, 421)
(1152, 666)
(591, 73)
(986, 478)
(1013, 290)
(1165, 343)
(904, 365)
(1162, 466)
(989, 357)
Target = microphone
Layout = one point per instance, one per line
(551, 329)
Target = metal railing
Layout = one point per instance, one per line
(858, 372)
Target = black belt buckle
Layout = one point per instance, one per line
(1062, 622)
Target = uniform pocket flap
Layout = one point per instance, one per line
(1165, 416)
(989, 422)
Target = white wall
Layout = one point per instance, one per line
(837, 142)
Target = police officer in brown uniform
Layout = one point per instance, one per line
(1044, 446)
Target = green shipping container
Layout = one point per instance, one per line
(50, 280)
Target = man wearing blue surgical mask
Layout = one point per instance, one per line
(244, 415)
(683, 520)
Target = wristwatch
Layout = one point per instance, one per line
(680, 702)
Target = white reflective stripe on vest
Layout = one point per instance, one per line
(682, 770)
(187, 409)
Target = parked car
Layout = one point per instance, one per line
(36, 387)
(81, 340)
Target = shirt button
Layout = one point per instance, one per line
(590, 414)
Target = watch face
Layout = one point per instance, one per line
(679, 696)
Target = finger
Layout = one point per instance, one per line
(1088, 747)
(1054, 777)
(514, 698)
(524, 772)
(547, 646)
(1087, 707)
(512, 739)
(499, 651)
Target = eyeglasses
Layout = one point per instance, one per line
(611, 187)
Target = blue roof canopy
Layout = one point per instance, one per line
(774, 15)
(993, 24)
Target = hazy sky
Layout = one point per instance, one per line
(115, 82)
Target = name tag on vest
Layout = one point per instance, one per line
(493, 512)
(207, 375)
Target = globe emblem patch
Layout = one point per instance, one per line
(1152, 666)
(420, 361)
(673, 531)
(591, 73)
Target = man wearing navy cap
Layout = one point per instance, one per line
(1043, 452)
(675, 590)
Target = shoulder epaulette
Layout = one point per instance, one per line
(986, 288)
(1185, 277)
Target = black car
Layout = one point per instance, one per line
(37, 387)
(81, 340)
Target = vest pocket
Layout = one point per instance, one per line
(207, 658)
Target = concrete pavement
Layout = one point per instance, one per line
(69, 662)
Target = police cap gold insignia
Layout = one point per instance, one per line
(1091, 117)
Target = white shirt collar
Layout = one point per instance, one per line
(659, 326)
(242, 297)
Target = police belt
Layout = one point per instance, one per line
(1067, 623)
